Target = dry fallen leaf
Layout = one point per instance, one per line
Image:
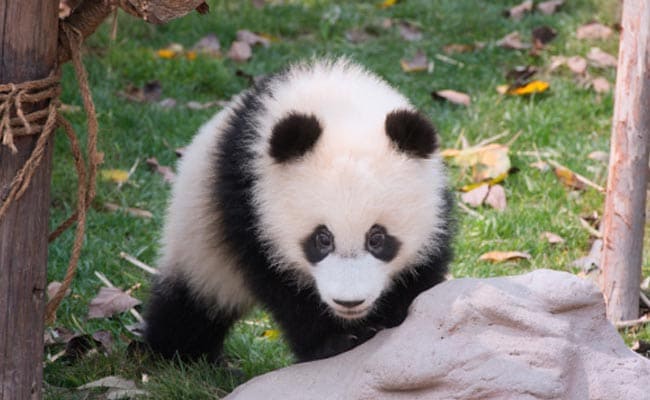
(167, 173)
(517, 12)
(542, 35)
(594, 30)
(487, 162)
(208, 45)
(577, 65)
(452, 96)
(476, 196)
(520, 75)
(240, 51)
(454, 48)
(110, 301)
(271, 334)
(171, 51)
(535, 86)
(109, 382)
(552, 238)
(409, 31)
(57, 335)
(569, 178)
(252, 39)
(387, 3)
(496, 198)
(502, 256)
(512, 41)
(418, 63)
(53, 287)
(600, 59)
(601, 85)
(549, 7)
(118, 176)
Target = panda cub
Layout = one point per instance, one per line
(316, 194)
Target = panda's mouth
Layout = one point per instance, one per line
(351, 314)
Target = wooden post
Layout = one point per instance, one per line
(624, 216)
(28, 51)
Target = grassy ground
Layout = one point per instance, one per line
(570, 120)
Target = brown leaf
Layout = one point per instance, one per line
(113, 382)
(53, 287)
(208, 45)
(134, 212)
(409, 31)
(167, 173)
(496, 198)
(517, 12)
(240, 51)
(512, 41)
(549, 7)
(594, 30)
(475, 197)
(577, 65)
(502, 256)
(418, 63)
(556, 62)
(57, 335)
(569, 178)
(81, 346)
(251, 38)
(105, 338)
(258, 3)
(452, 96)
(542, 35)
(552, 238)
(601, 59)
(520, 75)
(110, 301)
(600, 85)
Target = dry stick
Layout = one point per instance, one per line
(470, 211)
(633, 323)
(593, 232)
(108, 283)
(580, 177)
(138, 263)
(644, 299)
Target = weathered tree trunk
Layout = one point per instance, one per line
(624, 216)
(28, 38)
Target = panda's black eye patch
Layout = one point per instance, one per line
(380, 244)
(318, 244)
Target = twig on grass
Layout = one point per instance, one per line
(581, 178)
(633, 322)
(138, 263)
(469, 211)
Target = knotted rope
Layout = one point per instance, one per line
(13, 98)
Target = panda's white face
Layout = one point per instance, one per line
(348, 190)
(350, 283)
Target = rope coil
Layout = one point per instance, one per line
(13, 98)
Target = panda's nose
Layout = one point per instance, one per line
(348, 303)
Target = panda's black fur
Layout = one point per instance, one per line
(180, 322)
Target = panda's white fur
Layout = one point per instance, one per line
(352, 178)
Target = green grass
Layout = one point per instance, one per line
(569, 120)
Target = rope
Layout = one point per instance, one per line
(13, 98)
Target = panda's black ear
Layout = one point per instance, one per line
(293, 136)
(411, 132)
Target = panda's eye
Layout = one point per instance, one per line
(375, 239)
(318, 245)
(381, 244)
(324, 240)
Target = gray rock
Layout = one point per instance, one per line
(543, 335)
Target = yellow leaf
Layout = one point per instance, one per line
(569, 178)
(115, 175)
(487, 162)
(529, 88)
(271, 334)
(387, 3)
(191, 55)
(497, 179)
(166, 53)
(501, 256)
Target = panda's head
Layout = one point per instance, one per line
(349, 191)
